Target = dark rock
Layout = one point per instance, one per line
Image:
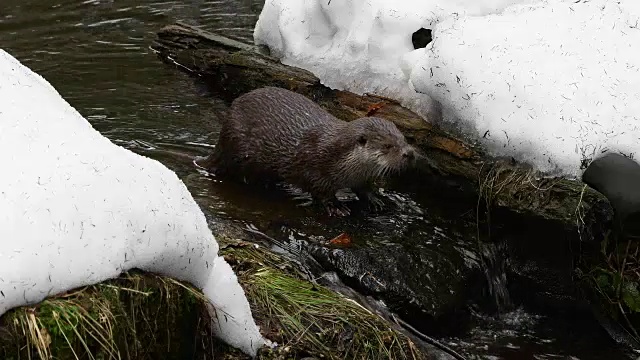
(424, 273)
(421, 38)
(618, 178)
(427, 290)
(631, 225)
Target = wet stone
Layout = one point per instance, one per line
(425, 277)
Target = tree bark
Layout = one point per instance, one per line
(231, 68)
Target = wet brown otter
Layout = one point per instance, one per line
(272, 134)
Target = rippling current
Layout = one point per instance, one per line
(96, 53)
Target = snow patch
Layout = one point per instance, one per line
(549, 82)
(75, 210)
(553, 84)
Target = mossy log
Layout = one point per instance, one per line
(231, 68)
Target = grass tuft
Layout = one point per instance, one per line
(308, 319)
(614, 278)
(136, 316)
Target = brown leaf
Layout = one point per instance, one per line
(341, 240)
(373, 108)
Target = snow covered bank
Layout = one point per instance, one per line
(358, 45)
(552, 83)
(75, 209)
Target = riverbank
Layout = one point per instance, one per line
(140, 316)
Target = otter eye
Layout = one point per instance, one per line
(388, 146)
(362, 140)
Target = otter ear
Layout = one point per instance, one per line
(362, 140)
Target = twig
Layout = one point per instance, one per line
(428, 339)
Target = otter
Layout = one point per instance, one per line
(275, 135)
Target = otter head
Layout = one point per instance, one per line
(379, 148)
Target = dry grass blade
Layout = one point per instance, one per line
(36, 336)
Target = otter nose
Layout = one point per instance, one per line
(409, 154)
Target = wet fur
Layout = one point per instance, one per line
(273, 135)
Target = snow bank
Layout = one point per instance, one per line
(359, 45)
(551, 84)
(76, 209)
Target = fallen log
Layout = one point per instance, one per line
(231, 68)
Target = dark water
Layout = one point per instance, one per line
(95, 52)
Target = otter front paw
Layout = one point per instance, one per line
(336, 208)
(374, 201)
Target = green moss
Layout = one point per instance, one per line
(611, 279)
(137, 316)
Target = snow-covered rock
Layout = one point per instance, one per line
(549, 82)
(75, 209)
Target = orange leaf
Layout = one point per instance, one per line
(341, 240)
(373, 108)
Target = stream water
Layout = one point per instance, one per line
(95, 52)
